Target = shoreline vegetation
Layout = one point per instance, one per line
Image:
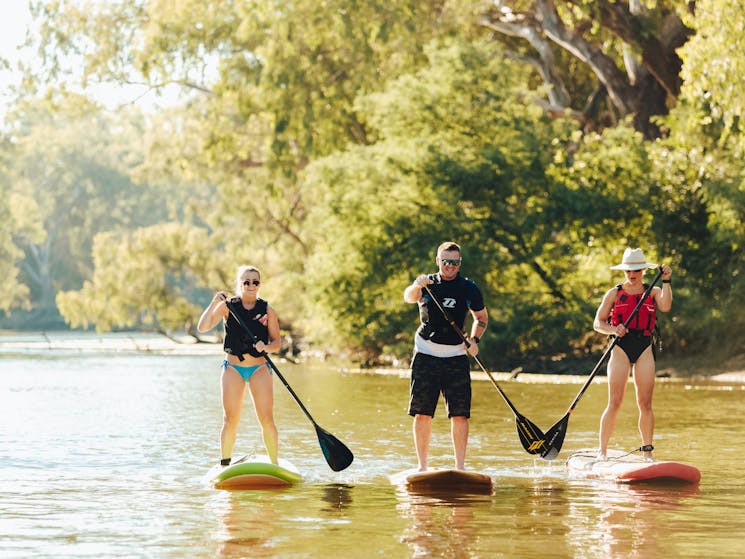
(15, 342)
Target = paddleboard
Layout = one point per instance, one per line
(629, 468)
(255, 472)
(450, 481)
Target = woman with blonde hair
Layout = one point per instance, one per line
(244, 364)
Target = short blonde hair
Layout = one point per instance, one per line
(242, 270)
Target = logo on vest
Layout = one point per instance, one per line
(449, 303)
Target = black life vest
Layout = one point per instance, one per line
(237, 341)
(644, 320)
(456, 297)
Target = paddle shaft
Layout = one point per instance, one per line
(476, 358)
(271, 364)
(614, 342)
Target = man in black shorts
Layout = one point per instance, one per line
(440, 363)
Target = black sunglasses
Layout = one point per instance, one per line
(246, 283)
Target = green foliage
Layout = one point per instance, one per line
(714, 62)
(12, 219)
(70, 180)
(145, 279)
(706, 133)
(336, 144)
(458, 158)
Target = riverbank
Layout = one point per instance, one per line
(139, 342)
(14, 342)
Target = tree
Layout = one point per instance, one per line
(629, 47)
(705, 129)
(459, 157)
(70, 176)
(275, 88)
(15, 217)
(146, 279)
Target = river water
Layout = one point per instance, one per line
(102, 455)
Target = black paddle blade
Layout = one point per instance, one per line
(337, 455)
(531, 437)
(555, 438)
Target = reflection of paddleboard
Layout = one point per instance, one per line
(254, 473)
(451, 481)
(629, 468)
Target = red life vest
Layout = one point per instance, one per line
(625, 303)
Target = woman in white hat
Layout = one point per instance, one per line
(633, 351)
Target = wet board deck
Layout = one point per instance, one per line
(254, 473)
(629, 469)
(451, 481)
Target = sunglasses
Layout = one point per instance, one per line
(247, 283)
(450, 262)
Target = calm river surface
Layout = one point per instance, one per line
(102, 454)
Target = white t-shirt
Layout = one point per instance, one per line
(438, 350)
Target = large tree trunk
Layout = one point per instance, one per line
(647, 84)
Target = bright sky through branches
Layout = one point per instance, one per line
(15, 19)
(13, 24)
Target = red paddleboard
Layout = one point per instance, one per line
(629, 468)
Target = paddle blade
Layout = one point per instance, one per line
(555, 438)
(337, 455)
(531, 437)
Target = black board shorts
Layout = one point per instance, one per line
(431, 376)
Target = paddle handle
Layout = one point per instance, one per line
(614, 341)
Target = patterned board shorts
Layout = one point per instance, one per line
(431, 376)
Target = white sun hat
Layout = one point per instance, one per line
(633, 259)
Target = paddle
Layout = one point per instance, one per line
(555, 435)
(531, 437)
(337, 455)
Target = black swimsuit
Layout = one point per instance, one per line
(634, 343)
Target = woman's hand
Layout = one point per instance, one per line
(219, 297)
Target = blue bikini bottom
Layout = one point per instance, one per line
(245, 372)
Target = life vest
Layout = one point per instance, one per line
(456, 297)
(237, 341)
(645, 317)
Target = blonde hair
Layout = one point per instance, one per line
(242, 270)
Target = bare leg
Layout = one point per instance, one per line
(618, 375)
(459, 433)
(422, 437)
(262, 394)
(233, 389)
(644, 371)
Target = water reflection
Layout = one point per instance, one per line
(611, 520)
(337, 496)
(538, 506)
(246, 524)
(439, 525)
(100, 456)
